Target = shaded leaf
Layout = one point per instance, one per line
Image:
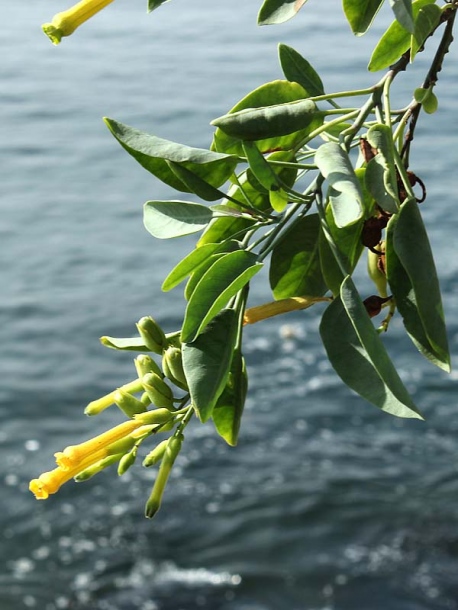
(295, 264)
(420, 297)
(358, 355)
(166, 219)
(361, 13)
(278, 11)
(260, 167)
(207, 361)
(297, 69)
(221, 282)
(153, 4)
(345, 194)
(228, 410)
(426, 22)
(402, 10)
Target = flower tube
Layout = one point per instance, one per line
(65, 23)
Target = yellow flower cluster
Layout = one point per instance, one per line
(76, 458)
(65, 23)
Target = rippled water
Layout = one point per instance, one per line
(326, 503)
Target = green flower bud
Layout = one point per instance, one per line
(157, 416)
(146, 400)
(128, 403)
(145, 364)
(89, 472)
(156, 454)
(126, 461)
(375, 272)
(97, 406)
(152, 334)
(172, 363)
(159, 392)
(153, 503)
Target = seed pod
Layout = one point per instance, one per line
(374, 303)
(128, 403)
(152, 334)
(159, 392)
(375, 272)
(172, 363)
(156, 454)
(153, 503)
(145, 364)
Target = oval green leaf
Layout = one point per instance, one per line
(278, 11)
(298, 70)
(167, 219)
(360, 14)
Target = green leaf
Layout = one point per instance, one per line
(268, 121)
(221, 282)
(153, 4)
(427, 20)
(228, 410)
(295, 264)
(166, 219)
(153, 153)
(207, 361)
(394, 42)
(402, 10)
(135, 344)
(361, 13)
(229, 245)
(278, 11)
(278, 200)
(188, 265)
(195, 184)
(358, 355)
(270, 94)
(345, 193)
(297, 69)
(417, 290)
(260, 167)
(381, 175)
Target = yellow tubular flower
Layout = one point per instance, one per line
(50, 482)
(95, 448)
(65, 23)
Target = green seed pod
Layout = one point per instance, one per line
(153, 503)
(128, 403)
(157, 416)
(172, 363)
(159, 392)
(152, 334)
(145, 364)
(126, 461)
(375, 273)
(89, 472)
(156, 454)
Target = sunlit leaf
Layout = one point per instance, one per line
(279, 11)
(166, 219)
(227, 413)
(135, 344)
(345, 194)
(223, 280)
(426, 22)
(188, 265)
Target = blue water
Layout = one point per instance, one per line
(327, 504)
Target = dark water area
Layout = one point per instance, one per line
(327, 503)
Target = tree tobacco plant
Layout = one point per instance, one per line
(305, 181)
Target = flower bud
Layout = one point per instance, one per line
(159, 392)
(127, 461)
(128, 403)
(153, 503)
(157, 416)
(97, 406)
(89, 472)
(172, 363)
(156, 454)
(145, 364)
(152, 334)
(375, 272)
